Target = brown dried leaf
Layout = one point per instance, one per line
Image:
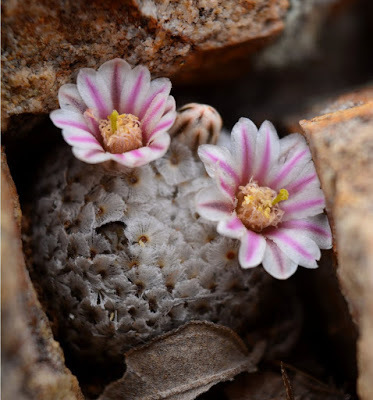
(269, 385)
(182, 364)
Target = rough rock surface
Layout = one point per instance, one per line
(342, 146)
(46, 42)
(33, 363)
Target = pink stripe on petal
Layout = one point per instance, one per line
(293, 244)
(134, 93)
(224, 166)
(115, 90)
(72, 124)
(286, 169)
(300, 184)
(246, 151)
(306, 225)
(218, 205)
(83, 139)
(276, 263)
(96, 96)
(161, 126)
(136, 153)
(234, 224)
(153, 113)
(149, 100)
(252, 249)
(76, 103)
(264, 165)
(302, 205)
(231, 227)
(156, 147)
(227, 188)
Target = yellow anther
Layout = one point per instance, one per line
(247, 199)
(113, 120)
(283, 194)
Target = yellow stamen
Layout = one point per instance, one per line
(113, 120)
(283, 194)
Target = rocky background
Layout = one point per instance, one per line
(307, 66)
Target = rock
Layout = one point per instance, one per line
(342, 146)
(45, 43)
(299, 41)
(33, 363)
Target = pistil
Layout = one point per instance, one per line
(257, 206)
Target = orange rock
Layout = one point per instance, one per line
(32, 361)
(342, 147)
(46, 42)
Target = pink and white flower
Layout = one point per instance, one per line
(116, 113)
(267, 195)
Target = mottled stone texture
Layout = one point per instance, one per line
(46, 42)
(342, 146)
(32, 362)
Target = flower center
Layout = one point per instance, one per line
(121, 133)
(257, 206)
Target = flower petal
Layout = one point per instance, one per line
(295, 154)
(74, 129)
(157, 86)
(266, 152)
(70, 99)
(305, 203)
(113, 74)
(307, 177)
(91, 156)
(232, 227)
(136, 86)
(144, 155)
(316, 228)
(276, 263)
(218, 161)
(94, 91)
(213, 205)
(252, 249)
(167, 120)
(153, 115)
(299, 248)
(243, 142)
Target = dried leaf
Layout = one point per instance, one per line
(269, 385)
(182, 364)
(287, 383)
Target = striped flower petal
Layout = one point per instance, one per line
(232, 227)
(299, 248)
(243, 145)
(306, 203)
(277, 263)
(91, 156)
(113, 74)
(218, 161)
(70, 99)
(293, 162)
(252, 249)
(316, 228)
(136, 86)
(153, 115)
(157, 86)
(167, 120)
(94, 92)
(146, 154)
(266, 152)
(213, 205)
